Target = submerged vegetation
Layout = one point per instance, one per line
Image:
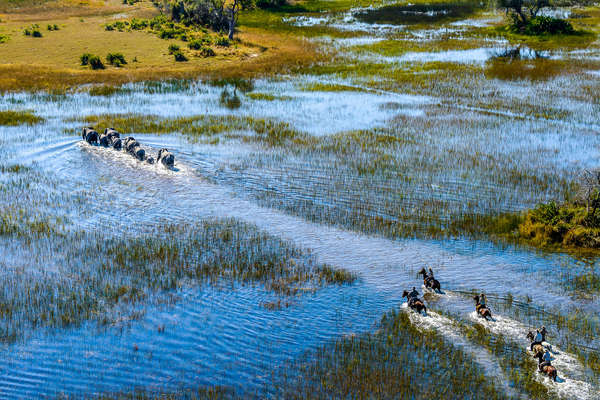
(127, 270)
(15, 118)
(398, 361)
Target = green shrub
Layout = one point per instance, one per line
(4, 38)
(198, 44)
(173, 48)
(36, 33)
(548, 25)
(116, 59)
(95, 62)
(179, 56)
(85, 58)
(207, 52)
(223, 41)
(52, 27)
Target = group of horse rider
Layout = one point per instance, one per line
(483, 310)
(545, 358)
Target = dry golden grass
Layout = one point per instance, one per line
(52, 61)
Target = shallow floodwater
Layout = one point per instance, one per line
(224, 334)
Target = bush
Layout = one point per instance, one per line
(198, 43)
(116, 59)
(95, 62)
(85, 58)
(548, 25)
(52, 27)
(173, 48)
(36, 33)
(3, 38)
(179, 56)
(207, 52)
(223, 41)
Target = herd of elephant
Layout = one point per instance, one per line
(539, 351)
(112, 138)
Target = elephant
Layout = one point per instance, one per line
(104, 140)
(166, 158)
(90, 135)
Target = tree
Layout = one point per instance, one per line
(523, 10)
(589, 189)
(220, 15)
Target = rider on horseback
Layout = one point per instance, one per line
(543, 331)
(412, 295)
(544, 361)
(537, 339)
(480, 302)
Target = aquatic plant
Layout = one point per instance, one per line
(390, 363)
(15, 118)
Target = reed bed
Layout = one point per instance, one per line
(397, 361)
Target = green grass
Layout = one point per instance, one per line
(398, 361)
(106, 272)
(15, 118)
(270, 131)
(267, 97)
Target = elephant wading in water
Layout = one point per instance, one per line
(90, 135)
(166, 158)
(112, 138)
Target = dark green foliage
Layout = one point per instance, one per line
(95, 62)
(198, 44)
(567, 225)
(548, 25)
(270, 4)
(207, 52)
(173, 48)
(116, 59)
(36, 33)
(223, 41)
(179, 56)
(51, 27)
(85, 58)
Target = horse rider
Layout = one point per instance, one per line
(544, 361)
(481, 302)
(412, 295)
(430, 276)
(543, 331)
(537, 339)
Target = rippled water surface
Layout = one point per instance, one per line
(226, 334)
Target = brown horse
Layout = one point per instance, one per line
(538, 349)
(415, 303)
(548, 369)
(429, 281)
(482, 311)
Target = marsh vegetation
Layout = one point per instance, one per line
(323, 156)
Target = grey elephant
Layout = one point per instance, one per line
(90, 135)
(166, 158)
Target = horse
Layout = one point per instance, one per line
(429, 281)
(548, 369)
(538, 349)
(90, 135)
(415, 303)
(165, 158)
(482, 311)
